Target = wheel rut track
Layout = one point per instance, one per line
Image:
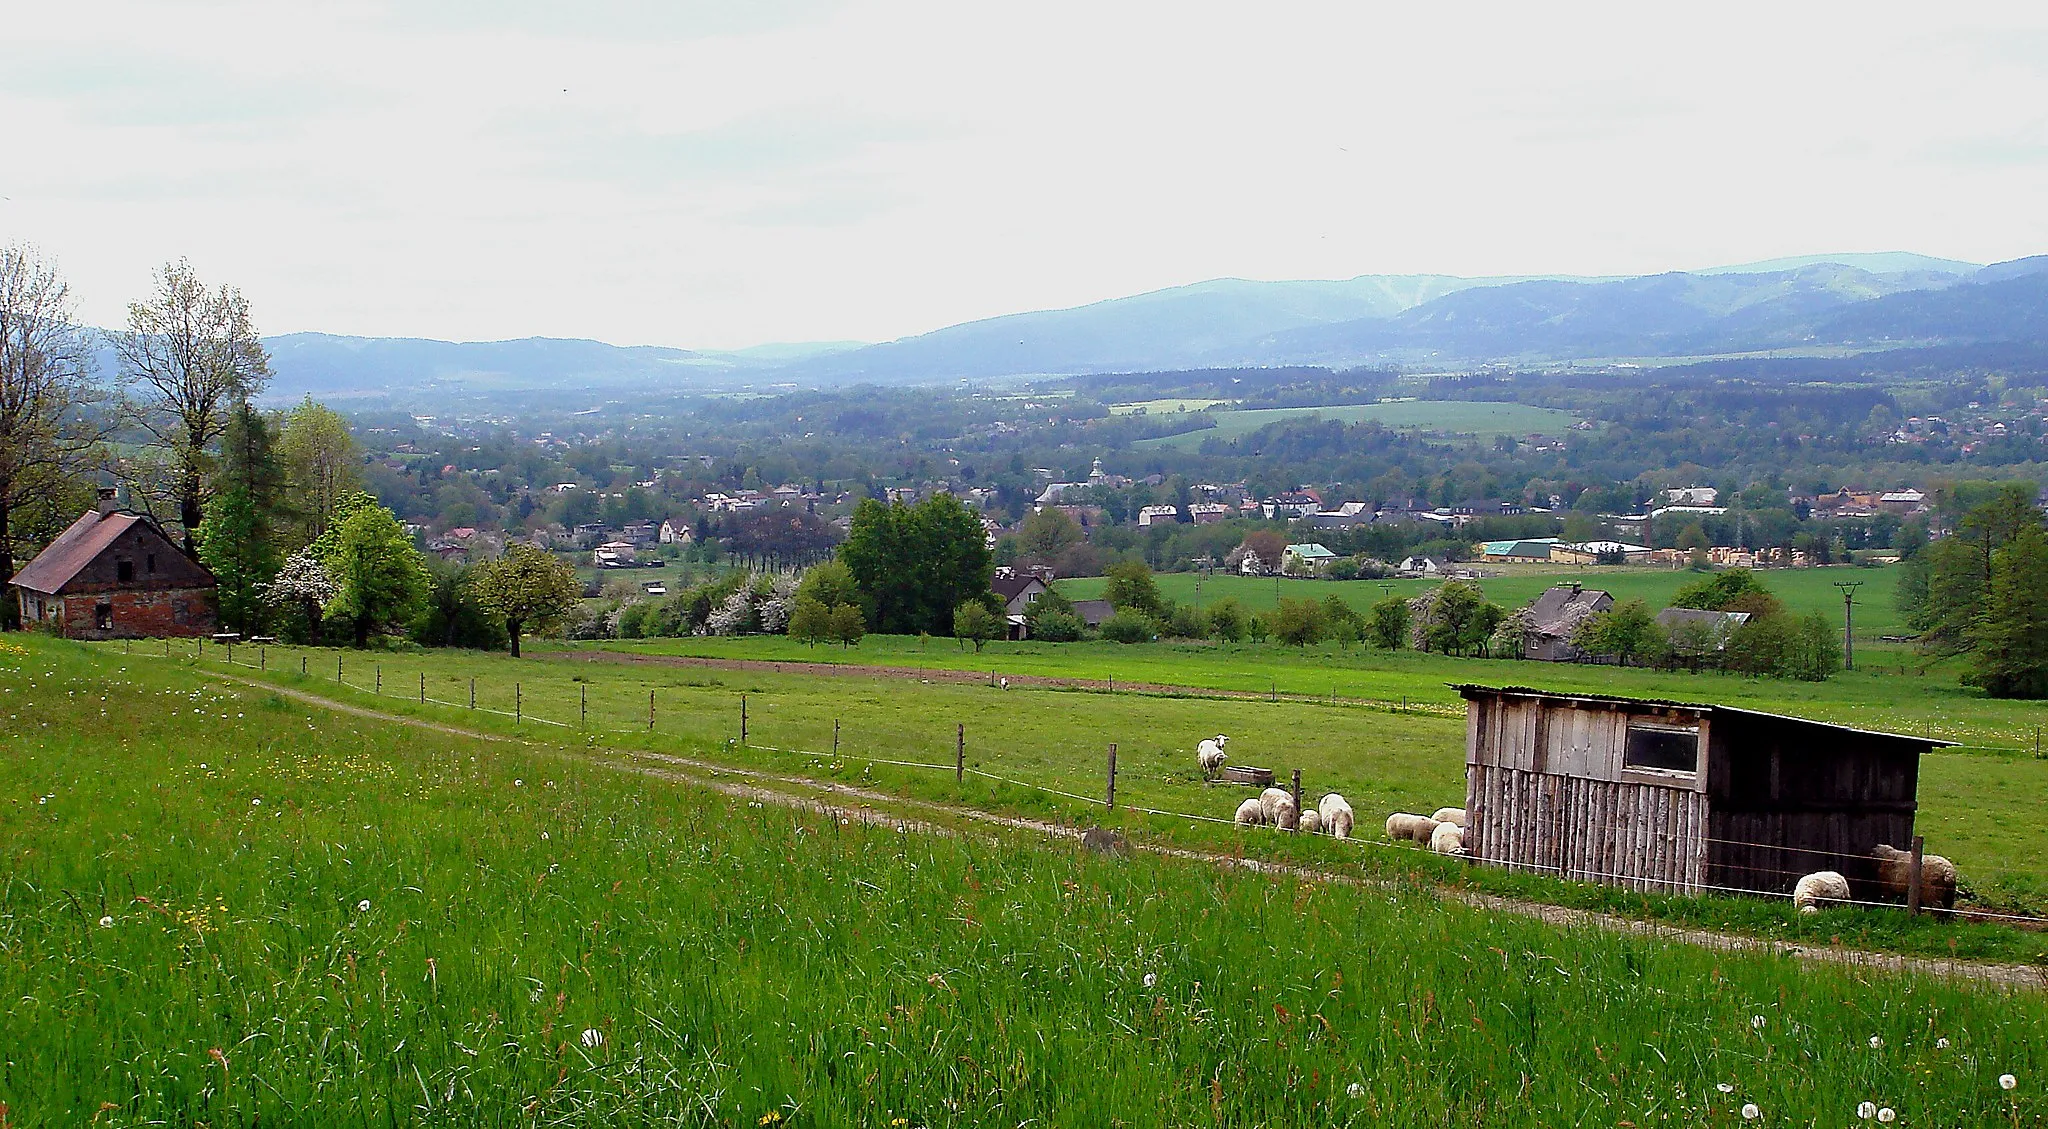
(830, 799)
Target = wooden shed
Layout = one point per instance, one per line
(1677, 797)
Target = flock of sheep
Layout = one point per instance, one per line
(1443, 832)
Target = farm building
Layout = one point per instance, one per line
(1679, 798)
(114, 575)
(1555, 615)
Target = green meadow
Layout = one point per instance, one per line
(225, 907)
(1458, 417)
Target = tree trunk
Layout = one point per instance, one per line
(512, 629)
(313, 621)
(362, 631)
(10, 606)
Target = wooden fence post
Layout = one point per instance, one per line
(743, 720)
(1109, 797)
(1913, 877)
(262, 659)
(472, 691)
(380, 678)
(583, 706)
(960, 754)
(231, 654)
(1297, 791)
(518, 703)
(302, 666)
(650, 709)
(835, 738)
(337, 666)
(423, 687)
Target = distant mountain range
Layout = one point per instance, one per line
(1884, 300)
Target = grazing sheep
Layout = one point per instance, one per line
(1252, 813)
(1818, 890)
(1209, 754)
(1402, 825)
(1286, 816)
(1336, 816)
(1271, 798)
(1451, 815)
(1447, 839)
(1311, 822)
(1895, 876)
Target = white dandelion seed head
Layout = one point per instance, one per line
(1750, 1112)
(519, 783)
(256, 802)
(1941, 1044)
(592, 1037)
(1866, 1110)
(1876, 1042)
(2008, 1082)
(1354, 1090)
(106, 923)
(1724, 1087)
(543, 835)
(363, 906)
(1756, 1022)
(1887, 1115)
(1151, 979)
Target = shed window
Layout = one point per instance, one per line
(1663, 748)
(103, 617)
(124, 571)
(150, 564)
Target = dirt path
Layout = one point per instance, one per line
(830, 799)
(979, 677)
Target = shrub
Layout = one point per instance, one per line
(1057, 627)
(1127, 627)
(1227, 620)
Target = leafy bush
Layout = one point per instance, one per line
(1127, 627)
(1057, 627)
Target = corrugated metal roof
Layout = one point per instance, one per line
(73, 549)
(1469, 689)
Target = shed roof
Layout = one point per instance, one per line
(76, 547)
(1471, 690)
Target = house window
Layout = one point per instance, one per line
(150, 564)
(124, 571)
(103, 617)
(1662, 748)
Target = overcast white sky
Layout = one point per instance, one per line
(717, 174)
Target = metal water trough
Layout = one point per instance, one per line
(1247, 774)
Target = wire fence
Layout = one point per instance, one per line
(961, 770)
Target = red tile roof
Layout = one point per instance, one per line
(73, 549)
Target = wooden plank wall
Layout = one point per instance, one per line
(1641, 836)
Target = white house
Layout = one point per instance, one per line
(1158, 515)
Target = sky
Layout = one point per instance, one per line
(721, 174)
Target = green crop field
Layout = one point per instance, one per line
(1458, 417)
(1163, 407)
(226, 907)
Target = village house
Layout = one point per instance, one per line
(1158, 515)
(1556, 615)
(115, 575)
(1305, 560)
(1207, 513)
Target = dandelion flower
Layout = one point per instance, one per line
(256, 802)
(106, 923)
(1941, 1044)
(363, 906)
(543, 836)
(592, 1037)
(2008, 1082)
(1150, 979)
(1750, 1112)
(1724, 1087)
(519, 783)
(1875, 1042)
(1887, 1115)
(1355, 1090)
(1866, 1110)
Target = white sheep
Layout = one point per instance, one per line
(1271, 798)
(1447, 839)
(1252, 813)
(1336, 816)
(1209, 754)
(1451, 815)
(1286, 816)
(1404, 825)
(1311, 822)
(1818, 890)
(1895, 876)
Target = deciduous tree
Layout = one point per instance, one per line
(380, 578)
(323, 463)
(914, 565)
(528, 587)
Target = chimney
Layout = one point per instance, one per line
(1577, 587)
(108, 500)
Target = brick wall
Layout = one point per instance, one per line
(155, 614)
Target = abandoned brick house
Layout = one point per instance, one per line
(114, 575)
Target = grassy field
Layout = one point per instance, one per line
(1163, 407)
(1459, 417)
(224, 908)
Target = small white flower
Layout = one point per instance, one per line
(1866, 1110)
(1875, 1042)
(2008, 1082)
(1724, 1087)
(1887, 1115)
(1750, 1112)
(544, 836)
(257, 802)
(1150, 979)
(363, 906)
(202, 764)
(1941, 1044)
(1354, 1090)
(1756, 1022)
(592, 1037)
(519, 783)
(106, 923)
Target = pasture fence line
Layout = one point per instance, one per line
(961, 770)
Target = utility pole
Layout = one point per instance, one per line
(1849, 621)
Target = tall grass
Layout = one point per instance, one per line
(222, 909)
